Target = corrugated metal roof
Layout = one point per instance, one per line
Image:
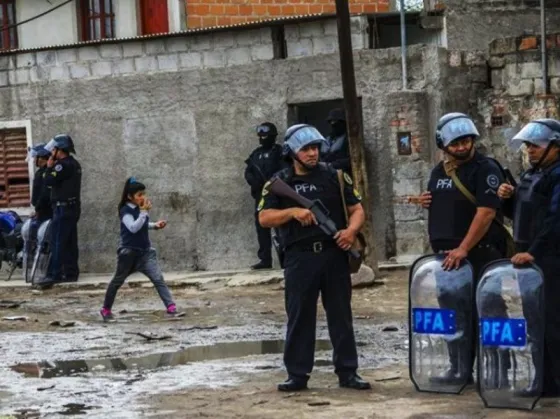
(262, 23)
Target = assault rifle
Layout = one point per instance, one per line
(280, 188)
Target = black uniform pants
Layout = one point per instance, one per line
(64, 239)
(306, 274)
(458, 349)
(265, 242)
(550, 266)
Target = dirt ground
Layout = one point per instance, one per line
(208, 380)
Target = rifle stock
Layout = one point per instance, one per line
(509, 177)
(280, 188)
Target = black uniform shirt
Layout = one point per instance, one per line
(65, 178)
(261, 165)
(451, 213)
(41, 198)
(320, 184)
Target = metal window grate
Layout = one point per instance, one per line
(8, 38)
(98, 19)
(14, 171)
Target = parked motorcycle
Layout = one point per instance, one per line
(11, 241)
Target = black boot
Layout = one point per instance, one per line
(293, 384)
(355, 382)
(262, 265)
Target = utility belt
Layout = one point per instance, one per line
(67, 203)
(317, 246)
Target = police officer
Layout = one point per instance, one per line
(462, 229)
(313, 261)
(335, 149)
(41, 197)
(263, 162)
(64, 176)
(536, 227)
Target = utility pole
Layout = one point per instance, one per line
(354, 124)
(544, 55)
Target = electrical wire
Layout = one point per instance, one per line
(3, 28)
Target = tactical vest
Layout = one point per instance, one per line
(446, 218)
(523, 219)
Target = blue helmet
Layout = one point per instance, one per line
(454, 126)
(540, 132)
(38, 151)
(300, 136)
(61, 141)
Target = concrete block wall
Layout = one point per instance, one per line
(407, 112)
(321, 37)
(216, 50)
(515, 65)
(473, 24)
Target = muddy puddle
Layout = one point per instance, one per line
(224, 350)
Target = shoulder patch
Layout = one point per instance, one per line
(493, 181)
(58, 167)
(347, 178)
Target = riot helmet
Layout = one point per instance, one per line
(543, 133)
(300, 136)
(454, 126)
(540, 132)
(267, 133)
(36, 153)
(62, 142)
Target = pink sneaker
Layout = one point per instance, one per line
(172, 311)
(107, 315)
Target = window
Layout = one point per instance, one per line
(8, 40)
(97, 19)
(14, 170)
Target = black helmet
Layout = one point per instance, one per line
(337, 114)
(61, 141)
(267, 129)
(454, 126)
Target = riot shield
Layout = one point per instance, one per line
(42, 254)
(510, 348)
(29, 248)
(440, 325)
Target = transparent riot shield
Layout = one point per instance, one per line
(440, 325)
(42, 254)
(29, 248)
(510, 348)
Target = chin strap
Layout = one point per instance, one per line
(536, 167)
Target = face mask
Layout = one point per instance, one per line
(267, 141)
(338, 128)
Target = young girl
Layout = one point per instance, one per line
(135, 253)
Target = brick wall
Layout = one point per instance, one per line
(204, 13)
